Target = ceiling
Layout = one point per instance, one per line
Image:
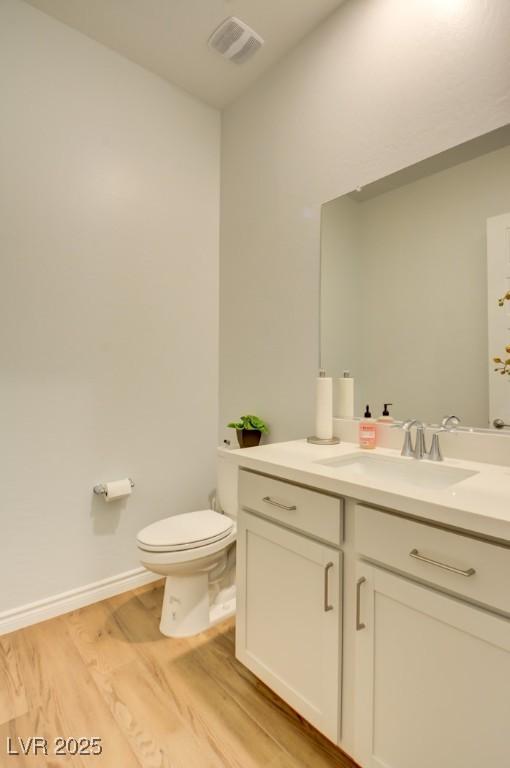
(169, 37)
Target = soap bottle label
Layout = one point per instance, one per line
(367, 435)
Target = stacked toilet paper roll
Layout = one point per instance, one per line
(324, 407)
(343, 396)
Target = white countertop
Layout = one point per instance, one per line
(479, 504)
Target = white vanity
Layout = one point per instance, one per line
(374, 597)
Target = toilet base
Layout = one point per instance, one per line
(187, 609)
(223, 606)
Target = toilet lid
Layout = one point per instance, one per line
(185, 531)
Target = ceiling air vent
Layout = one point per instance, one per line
(235, 40)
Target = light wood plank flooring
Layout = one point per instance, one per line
(106, 671)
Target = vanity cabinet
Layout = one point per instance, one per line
(405, 621)
(432, 677)
(289, 616)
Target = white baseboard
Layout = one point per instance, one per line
(32, 613)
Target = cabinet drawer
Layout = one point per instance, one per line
(304, 510)
(474, 569)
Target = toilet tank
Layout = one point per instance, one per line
(226, 486)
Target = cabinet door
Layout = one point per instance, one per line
(432, 678)
(288, 627)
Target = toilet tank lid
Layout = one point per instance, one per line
(187, 528)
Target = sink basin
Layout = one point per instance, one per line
(419, 474)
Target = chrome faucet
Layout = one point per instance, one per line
(419, 450)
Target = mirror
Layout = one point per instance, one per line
(412, 268)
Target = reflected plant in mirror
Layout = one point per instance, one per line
(412, 268)
(503, 366)
(506, 297)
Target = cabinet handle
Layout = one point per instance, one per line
(269, 500)
(359, 623)
(416, 555)
(327, 606)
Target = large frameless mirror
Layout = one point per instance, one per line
(415, 287)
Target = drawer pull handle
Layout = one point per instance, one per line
(359, 623)
(269, 500)
(327, 568)
(416, 555)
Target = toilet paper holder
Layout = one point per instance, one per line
(100, 490)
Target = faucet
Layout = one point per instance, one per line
(419, 450)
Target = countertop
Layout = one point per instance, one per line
(479, 504)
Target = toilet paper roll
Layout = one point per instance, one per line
(117, 489)
(324, 408)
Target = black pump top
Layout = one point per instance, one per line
(368, 415)
(386, 411)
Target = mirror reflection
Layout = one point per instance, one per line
(415, 270)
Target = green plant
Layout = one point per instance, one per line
(249, 422)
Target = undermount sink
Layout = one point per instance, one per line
(420, 474)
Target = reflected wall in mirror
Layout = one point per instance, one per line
(412, 267)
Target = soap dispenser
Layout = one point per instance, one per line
(386, 416)
(367, 430)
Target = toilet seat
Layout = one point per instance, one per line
(190, 530)
(156, 560)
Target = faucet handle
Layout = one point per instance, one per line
(406, 426)
(435, 449)
(447, 425)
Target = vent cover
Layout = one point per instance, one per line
(235, 40)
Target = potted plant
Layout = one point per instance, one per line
(249, 430)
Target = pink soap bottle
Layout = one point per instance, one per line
(367, 430)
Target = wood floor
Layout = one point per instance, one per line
(106, 671)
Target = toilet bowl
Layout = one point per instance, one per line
(195, 551)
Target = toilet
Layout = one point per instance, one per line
(195, 551)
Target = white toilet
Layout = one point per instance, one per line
(196, 553)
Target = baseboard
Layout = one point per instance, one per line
(32, 613)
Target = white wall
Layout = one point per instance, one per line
(380, 85)
(417, 307)
(341, 308)
(109, 189)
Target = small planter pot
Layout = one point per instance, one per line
(248, 438)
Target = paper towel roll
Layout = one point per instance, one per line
(117, 489)
(344, 397)
(324, 408)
